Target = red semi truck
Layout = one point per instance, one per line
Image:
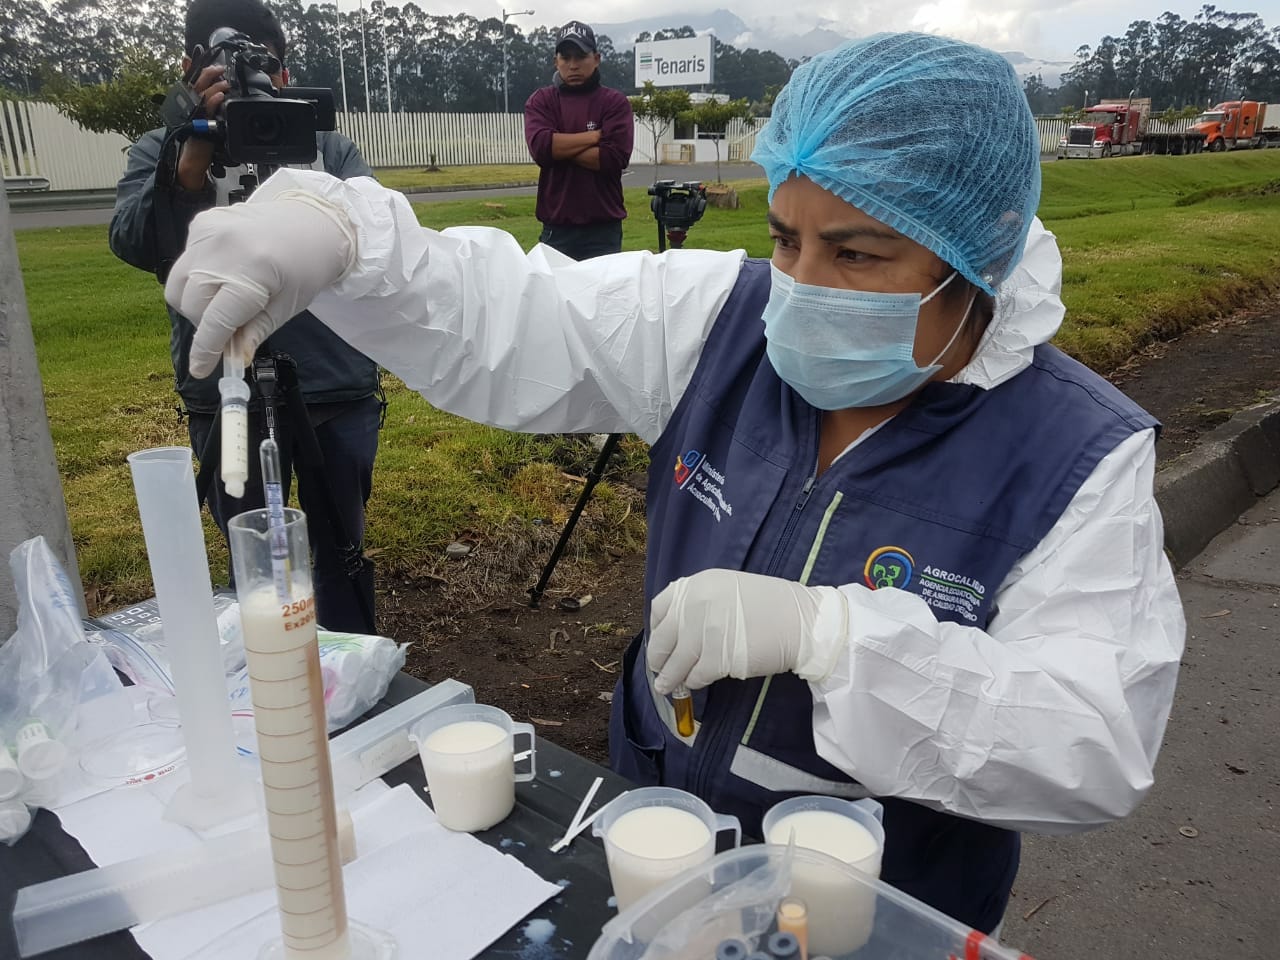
(1110, 129)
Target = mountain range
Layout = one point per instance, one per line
(729, 28)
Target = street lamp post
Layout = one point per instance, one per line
(506, 107)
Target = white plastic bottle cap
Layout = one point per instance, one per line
(11, 779)
(15, 818)
(39, 758)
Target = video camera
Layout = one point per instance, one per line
(676, 207)
(254, 124)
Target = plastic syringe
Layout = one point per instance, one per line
(234, 394)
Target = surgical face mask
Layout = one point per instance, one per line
(847, 348)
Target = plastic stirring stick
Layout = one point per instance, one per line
(273, 490)
(575, 825)
(569, 837)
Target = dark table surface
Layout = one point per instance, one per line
(544, 807)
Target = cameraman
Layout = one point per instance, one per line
(155, 203)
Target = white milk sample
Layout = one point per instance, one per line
(466, 736)
(648, 846)
(825, 830)
(470, 773)
(841, 912)
(283, 660)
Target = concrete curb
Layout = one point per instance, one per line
(95, 199)
(1204, 492)
(62, 200)
(446, 188)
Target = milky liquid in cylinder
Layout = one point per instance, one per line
(288, 704)
(470, 773)
(648, 846)
(841, 912)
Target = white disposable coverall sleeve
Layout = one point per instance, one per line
(1049, 721)
(535, 342)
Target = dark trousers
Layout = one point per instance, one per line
(348, 438)
(584, 242)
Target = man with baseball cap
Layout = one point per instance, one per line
(580, 133)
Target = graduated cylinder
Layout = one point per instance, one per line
(279, 619)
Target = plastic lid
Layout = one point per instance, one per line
(137, 755)
(42, 759)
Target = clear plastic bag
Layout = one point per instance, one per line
(49, 674)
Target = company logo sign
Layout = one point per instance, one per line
(673, 63)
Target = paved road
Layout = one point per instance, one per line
(1193, 874)
(639, 176)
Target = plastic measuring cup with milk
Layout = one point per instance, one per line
(654, 834)
(841, 913)
(468, 756)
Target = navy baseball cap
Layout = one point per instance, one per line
(577, 34)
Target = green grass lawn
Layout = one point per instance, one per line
(1150, 245)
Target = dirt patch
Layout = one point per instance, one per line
(556, 668)
(1197, 381)
(550, 667)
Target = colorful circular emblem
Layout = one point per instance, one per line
(889, 567)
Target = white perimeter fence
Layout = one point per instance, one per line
(38, 141)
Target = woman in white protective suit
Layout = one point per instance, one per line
(899, 546)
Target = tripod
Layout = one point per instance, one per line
(275, 395)
(676, 207)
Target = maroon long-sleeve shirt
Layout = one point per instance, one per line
(570, 194)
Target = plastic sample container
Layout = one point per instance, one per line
(736, 896)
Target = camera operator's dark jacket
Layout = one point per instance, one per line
(329, 370)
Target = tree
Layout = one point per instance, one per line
(1040, 97)
(658, 108)
(714, 116)
(125, 104)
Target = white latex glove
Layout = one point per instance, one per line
(248, 268)
(725, 623)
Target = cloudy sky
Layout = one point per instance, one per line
(1051, 29)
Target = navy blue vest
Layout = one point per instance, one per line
(942, 501)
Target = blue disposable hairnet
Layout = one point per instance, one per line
(929, 135)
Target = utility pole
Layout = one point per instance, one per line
(364, 59)
(342, 62)
(506, 107)
(31, 501)
(386, 60)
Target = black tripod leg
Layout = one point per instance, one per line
(597, 471)
(208, 459)
(311, 459)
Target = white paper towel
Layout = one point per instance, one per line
(413, 879)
